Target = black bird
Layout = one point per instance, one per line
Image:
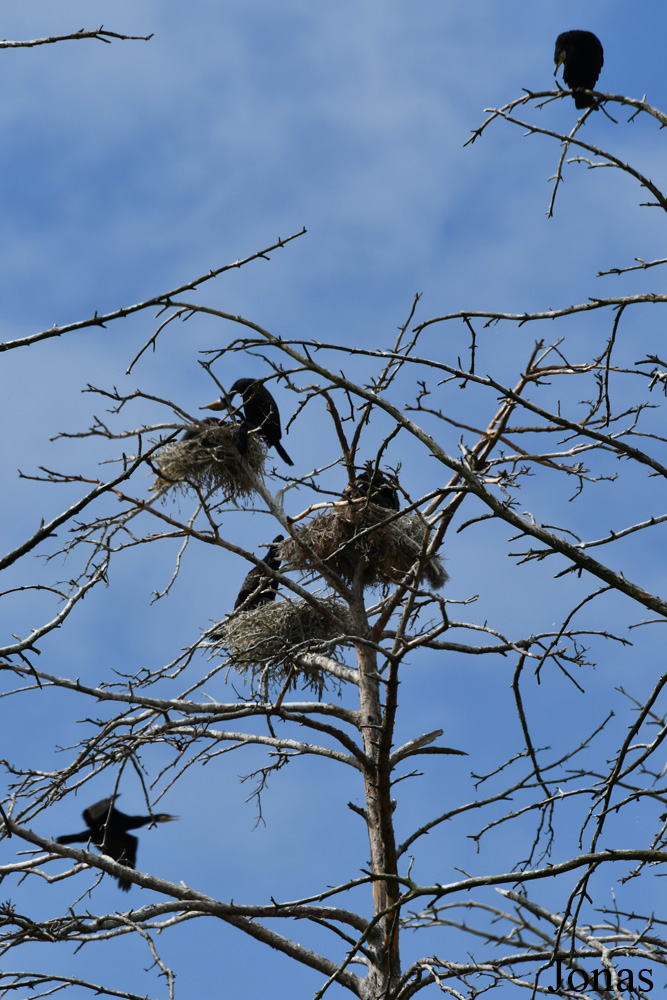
(374, 485)
(107, 828)
(257, 588)
(260, 412)
(195, 431)
(582, 57)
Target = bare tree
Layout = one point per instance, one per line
(566, 460)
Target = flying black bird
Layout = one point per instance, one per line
(260, 412)
(374, 485)
(258, 589)
(582, 57)
(107, 828)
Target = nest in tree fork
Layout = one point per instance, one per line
(263, 642)
(341, 539)
(207, 458)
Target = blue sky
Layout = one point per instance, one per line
(131, 168)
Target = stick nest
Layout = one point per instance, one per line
(208, 459)
(263, 642)
(386, 554)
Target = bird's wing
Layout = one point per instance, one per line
(250, 584)
(123, 847)
(74, 838)
(96, 814)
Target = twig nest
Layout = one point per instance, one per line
(345, 537)
(263, 642)
(207, 458)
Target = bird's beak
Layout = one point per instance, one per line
(163, 818)
(559, 61)
(217, 404)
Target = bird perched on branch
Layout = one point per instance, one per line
(257, 588)
(107, 828)
(260, 413)
(581, 56)
(374, 485)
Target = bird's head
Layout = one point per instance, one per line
(242, 385)
(217, 404)
(163, 818)
(272, 558)
(560, 53)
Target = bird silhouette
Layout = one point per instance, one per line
(196, 432)
(582, 57)
(257, 588)
(374, 485)
(107, 828)
(260, 413)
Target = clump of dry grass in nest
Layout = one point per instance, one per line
(386, 553)
(263, 642)
(208, 459)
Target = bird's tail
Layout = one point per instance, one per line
(584, 100)
(283, 454)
